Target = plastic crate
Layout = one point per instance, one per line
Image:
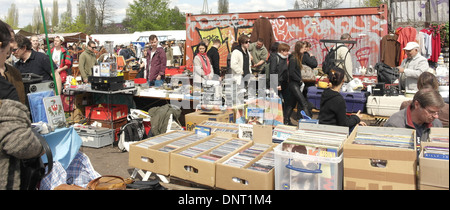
(106, 111)
(294, 171)
(96, 137)
(354, 101)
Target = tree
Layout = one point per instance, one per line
(13, 16)
(144, 15)
(320, 4)
(374, 3)
(69, 10)
(104, 13)
(55, 15)
(296, 5)
(223, 7)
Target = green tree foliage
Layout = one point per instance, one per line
(146, 15)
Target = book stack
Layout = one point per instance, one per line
(246, 156)
(315, 142)
(384, 140)
(202, 147)
(181, 142)
(223, 150)
(160, 139)
(265, 164)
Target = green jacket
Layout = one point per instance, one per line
(86, 62)
(160, 117)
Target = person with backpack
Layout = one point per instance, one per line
(339, 56)
(295, 83)
(278, 65)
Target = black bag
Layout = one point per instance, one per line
(134, 130)
(146, 185)
(32, 171)
(330, 60)
(386, 74)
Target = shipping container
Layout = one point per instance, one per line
(366, 25)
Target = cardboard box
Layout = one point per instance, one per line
(150, 158)
(234, 178)
(400, 168)
(434, 173)
(197, 170)
(194, 118)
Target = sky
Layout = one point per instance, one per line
(26, 7)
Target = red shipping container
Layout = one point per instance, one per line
(106, 111)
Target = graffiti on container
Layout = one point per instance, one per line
(366, 29)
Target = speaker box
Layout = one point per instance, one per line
(39, 87)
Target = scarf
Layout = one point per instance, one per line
(205, 63)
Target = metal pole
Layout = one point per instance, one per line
(48, 49)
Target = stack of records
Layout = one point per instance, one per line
(160, 139)
(243, 158)
(223, 150)
(282, 132)
(265, 164)
(384, 140)
(202, 147)
(181, 143)
(316, 143)
(435, 152)
(439, 138)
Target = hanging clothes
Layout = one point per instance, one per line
(425, 42)
(435, 44)
(405, 35)
(262, 28)
(390, 50)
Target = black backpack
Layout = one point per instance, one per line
(386, 74)
(133, 131)
(330, 60)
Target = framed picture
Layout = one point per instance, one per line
(54, 111)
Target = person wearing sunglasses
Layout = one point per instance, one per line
(31, 61)
(87, 61)
(421, 115)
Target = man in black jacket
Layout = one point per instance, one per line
(214, 57)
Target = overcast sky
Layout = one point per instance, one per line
(26, 7)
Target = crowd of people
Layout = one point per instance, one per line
(246, 59)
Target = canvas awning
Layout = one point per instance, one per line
(68, 37)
